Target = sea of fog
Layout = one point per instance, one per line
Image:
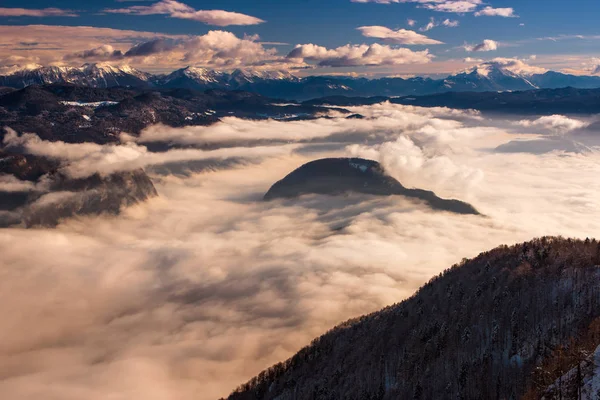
(192, 293)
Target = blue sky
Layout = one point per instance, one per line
(570, 28)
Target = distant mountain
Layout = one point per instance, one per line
(486, 78)
(514, 322)
(335, 176)
(203, 78)
(87, 114)
(539, 102)
(491, 76)
(93, 75)
(552, 80)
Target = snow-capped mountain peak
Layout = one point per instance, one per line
(201, 74)
(199, 77)
(252, 75)
(490, 76)
(98, 75)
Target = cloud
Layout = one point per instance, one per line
(194, 292)
(9, 183)
(32, 12)
(496, 12)
(379, 122)
(81, 160)
(432, 24)
(104, 52)
(400, 36)
(411, 22)
(555, 123)
(408, 163)
(225, 49)
(486, 45)
(516, 65)
(456, 6)
(54, 43)
(233, 129)
(151, 47)
(359, 55)
(450, 24)
(587, 67)
(176, 9)
(214, 49)
(474, 60)
(544, 146)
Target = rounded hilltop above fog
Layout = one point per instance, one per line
(335, 176)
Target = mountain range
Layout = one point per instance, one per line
(282, 84)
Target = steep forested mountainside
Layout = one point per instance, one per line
(477, 331)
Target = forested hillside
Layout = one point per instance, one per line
(494, 327)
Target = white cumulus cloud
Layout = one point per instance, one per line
(486, 45)
(358, 55)
(496, 12)
(400, 36)
(555, 123)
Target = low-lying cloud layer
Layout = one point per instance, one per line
(192, 293)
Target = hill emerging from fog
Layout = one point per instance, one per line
(510, 323)
(335, 176)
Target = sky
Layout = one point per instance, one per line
(365, 37)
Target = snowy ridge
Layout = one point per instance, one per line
(502, 75)
(95, 75)
(235, 78)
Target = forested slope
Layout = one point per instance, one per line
(480, 330)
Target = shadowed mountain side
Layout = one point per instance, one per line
(477, 331)
(335, 176)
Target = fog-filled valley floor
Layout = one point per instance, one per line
(195, 291)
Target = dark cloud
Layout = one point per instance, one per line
(151, 47)
(105, 52)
